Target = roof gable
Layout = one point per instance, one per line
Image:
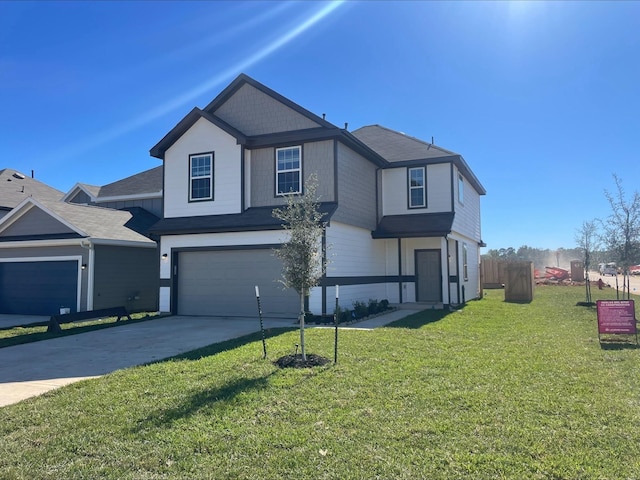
(42, 220)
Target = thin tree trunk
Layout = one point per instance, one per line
(302, 350)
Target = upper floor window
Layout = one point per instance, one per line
(201, 177)
(288, 170)
(460, 188)
(417, 188)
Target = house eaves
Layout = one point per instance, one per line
(185, 124)
(414, 225)
(92, 191)
(243, 79)
(252, 219)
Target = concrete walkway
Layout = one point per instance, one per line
(34, 368)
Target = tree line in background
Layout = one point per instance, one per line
(614, 239)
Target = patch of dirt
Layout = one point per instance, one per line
(295, 361)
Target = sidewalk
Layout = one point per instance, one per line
(34, 368)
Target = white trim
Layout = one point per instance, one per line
(62, 258)
(137, 196)
(208, 155)
(76, 242)
(299, 170)
(91, 272)
(423, 187)
(25, 206)
(74, 189)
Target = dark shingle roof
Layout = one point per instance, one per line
(396, 146)
(402, 150)
(257, 218)
(416, 225)
(15, 187)
(102, 223)
(149, 181)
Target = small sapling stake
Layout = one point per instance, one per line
(264, 343)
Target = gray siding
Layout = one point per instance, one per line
(121, 274)
(153, 205)
(256, 113)
(81, 198)
(317, 157)
(36, 222)
(356, 189)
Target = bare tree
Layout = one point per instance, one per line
(303, 259)
(622, 230)
(587, 240)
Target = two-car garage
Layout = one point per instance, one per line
(222, 282)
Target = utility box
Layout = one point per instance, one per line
(577, 270)
(519, 282)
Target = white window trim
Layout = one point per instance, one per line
(299, 170)
(465, 262)
(192, 178)
(460, 189)
(423, 187)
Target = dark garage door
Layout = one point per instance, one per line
(223, 283)
(38, 288)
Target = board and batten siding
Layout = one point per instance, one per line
(153, 205)
(395, 186)
(203, 137)
(127, 277)
(317, 157)
(356, 189)
(467, 218)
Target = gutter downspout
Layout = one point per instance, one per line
(86, 243)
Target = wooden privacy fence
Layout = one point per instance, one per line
(493, 273)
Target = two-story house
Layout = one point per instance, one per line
(403, 216)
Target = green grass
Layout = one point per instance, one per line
(36, 332)
(495, 390)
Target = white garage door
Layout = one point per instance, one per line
(223, 283)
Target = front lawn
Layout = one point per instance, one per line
(495, 390)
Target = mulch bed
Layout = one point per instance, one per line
(295, 361)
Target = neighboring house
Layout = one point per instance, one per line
(55, 254)
(16, 186)
(141, 190)
(403, 215)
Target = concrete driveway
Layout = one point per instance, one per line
(34, 368)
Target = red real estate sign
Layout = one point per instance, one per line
(616, 316)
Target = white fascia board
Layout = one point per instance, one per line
(122, 198)
(75, 189)
(66, 242)
(26, 205)
(124, 243)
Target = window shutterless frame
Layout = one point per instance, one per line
(201, 177)
(288, 170)
(417, 187)
(460, 188)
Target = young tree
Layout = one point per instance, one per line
(622, 230)
(587, 241)
(303, 259)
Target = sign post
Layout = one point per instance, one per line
(335, 321)
(617, 317)
(264, 343)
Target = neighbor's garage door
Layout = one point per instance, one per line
(38, 288)
(223, 283)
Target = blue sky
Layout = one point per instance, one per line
(542, 99)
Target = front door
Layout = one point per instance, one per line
(428, 276)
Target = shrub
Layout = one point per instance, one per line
(384, 305)
(361, 309)
(373, 306)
